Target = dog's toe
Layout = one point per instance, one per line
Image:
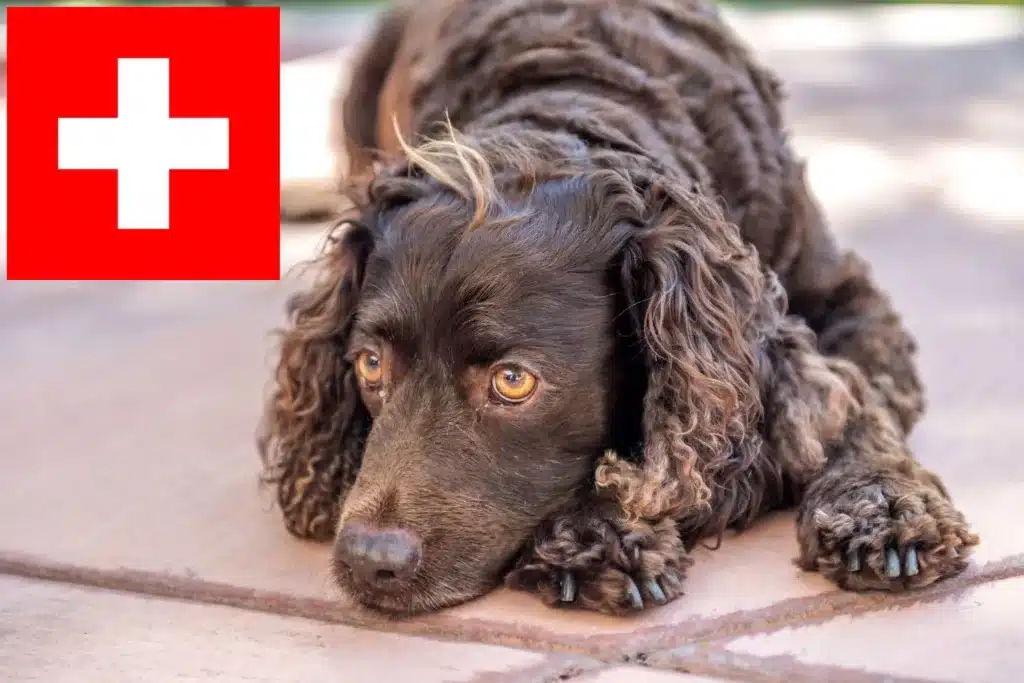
(911, 567)
(853, 561)
(568, 592)
(633, 594)
(655, 591)
(892, 563)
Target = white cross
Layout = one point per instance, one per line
(143, 143)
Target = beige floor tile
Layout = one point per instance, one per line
(636, 674)
(50, 633)
(975, 637)
(128, 441)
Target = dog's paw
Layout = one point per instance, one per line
(587, 561)
(894, 535)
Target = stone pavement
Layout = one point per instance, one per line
(136, 544)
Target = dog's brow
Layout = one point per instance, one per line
(493, 333)
(383, 316)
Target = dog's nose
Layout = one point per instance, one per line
(379, 556)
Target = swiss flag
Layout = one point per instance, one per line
(143, 143)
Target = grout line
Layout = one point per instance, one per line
(717, 662)
(610, 648)
(554, 669)
(807, 611)
(190, 589)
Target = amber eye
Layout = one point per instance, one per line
(513, 384)
(369, 368)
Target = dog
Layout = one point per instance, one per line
(584, 313)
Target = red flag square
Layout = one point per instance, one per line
(143, 143)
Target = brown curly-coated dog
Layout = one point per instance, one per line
(602, 321)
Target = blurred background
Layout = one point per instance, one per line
(129, 407)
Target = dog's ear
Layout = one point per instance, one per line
(314, 424)
(692, 288)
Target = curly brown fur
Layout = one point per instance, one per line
(620, 214)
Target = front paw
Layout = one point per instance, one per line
(588, 561)
(892, 535)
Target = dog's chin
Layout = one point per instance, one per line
(406, 602)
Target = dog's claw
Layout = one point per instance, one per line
(853, 561)
(633, 593)
(655, 590)
(910, 566)
(568, 587)
(892, 563)
(879, 497)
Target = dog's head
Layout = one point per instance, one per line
(479, 342)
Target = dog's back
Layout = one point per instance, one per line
(672, 63)
(666, 81)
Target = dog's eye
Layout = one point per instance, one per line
(369, 368)
(513, 384)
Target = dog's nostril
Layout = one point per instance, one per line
(379, 556)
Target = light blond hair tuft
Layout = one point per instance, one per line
(455, 163)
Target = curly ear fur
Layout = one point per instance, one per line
(722, 356)
(696, 286)
(314, 424)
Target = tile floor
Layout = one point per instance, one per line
(137, 545)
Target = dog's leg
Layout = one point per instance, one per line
(871, 516)
(591, 557)
(875, 518)
(836, 294)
